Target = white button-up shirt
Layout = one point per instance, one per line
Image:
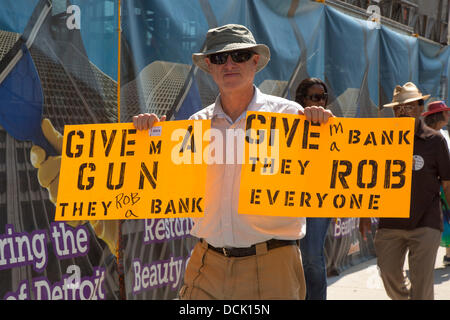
(221, 225)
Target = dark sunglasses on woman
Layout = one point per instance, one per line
(317, 97)
(237, 56)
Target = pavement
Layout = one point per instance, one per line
(362, 282)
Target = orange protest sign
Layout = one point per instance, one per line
(344, 168)
(113, 171)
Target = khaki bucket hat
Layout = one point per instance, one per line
(231, 37)
(406, 94)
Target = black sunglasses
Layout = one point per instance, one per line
(404, 107)
(408, 106)
(237, 56)
(317, 97)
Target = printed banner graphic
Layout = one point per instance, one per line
(345, 168)
(113, 171)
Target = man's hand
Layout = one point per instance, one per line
(317, 114)
(365, 226)
(145, 121)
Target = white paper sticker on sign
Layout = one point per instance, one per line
(155, 131)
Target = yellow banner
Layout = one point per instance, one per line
(345, 168)
(113, 171)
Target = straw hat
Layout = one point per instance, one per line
(406, 94)
(435, 107)
(231, 37)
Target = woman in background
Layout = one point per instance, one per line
(437, 118)
(314, 92)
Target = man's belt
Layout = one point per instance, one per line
(250, 251)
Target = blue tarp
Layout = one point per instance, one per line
(360, 64)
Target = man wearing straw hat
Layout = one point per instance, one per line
(240, 256)
(420, 233)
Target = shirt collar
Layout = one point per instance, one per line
(421, 130)
(256, 104)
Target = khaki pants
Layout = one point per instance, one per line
(391, 246)
(274, 274)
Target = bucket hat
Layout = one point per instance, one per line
(406, 94)
(435, 107)
(231, 37)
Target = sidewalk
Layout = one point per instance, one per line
(362, 282)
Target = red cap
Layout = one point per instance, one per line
(434, 107)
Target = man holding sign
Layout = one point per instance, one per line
(239, 256)
(421, 233)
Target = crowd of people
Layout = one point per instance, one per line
(255, 257)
